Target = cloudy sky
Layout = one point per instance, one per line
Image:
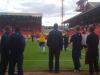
(51, 9)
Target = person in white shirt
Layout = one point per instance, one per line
(84, 45)
(84, 38)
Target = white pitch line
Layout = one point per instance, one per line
(60, 60)
(48, 60)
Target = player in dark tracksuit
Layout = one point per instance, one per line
(17, 45)
(93, 51)
(76, 40)
(55, 43)
(4, 45)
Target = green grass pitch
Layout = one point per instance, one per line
(36, 60)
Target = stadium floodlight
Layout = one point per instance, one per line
(62, 11)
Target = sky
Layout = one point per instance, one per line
(50, 9)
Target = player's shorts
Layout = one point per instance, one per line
(42, 44)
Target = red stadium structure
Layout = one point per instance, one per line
(28, 22)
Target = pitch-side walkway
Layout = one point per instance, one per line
(61, 73)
